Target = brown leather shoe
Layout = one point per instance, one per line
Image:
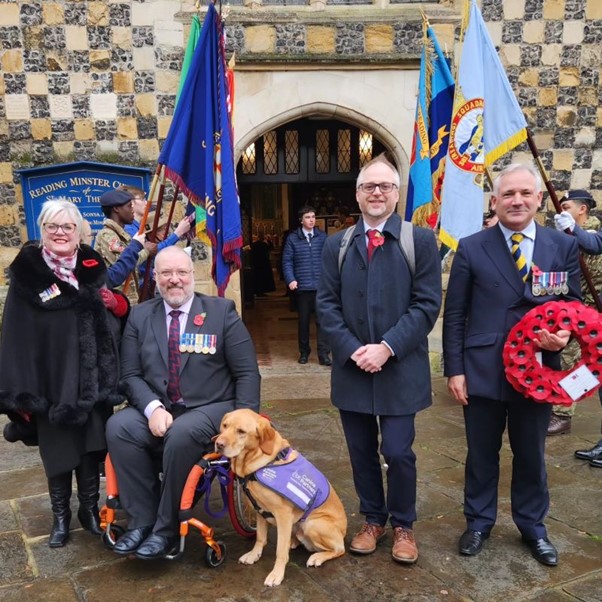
(367, 538)
(404, 545)
(559, 425)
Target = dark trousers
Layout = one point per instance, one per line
(486, 421)
(306, 305)
(397, 436)
(134, 452)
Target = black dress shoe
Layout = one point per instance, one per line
(155, 546)
(471, 542)
(590, 454)
(131, 540)
(303, 359)
(325, 361)
(542, 550)
(596, 462)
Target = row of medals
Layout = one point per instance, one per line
(550, 283)
(198, 343)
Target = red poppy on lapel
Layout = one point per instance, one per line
(89, 263)
(199, 319)
(378, 239)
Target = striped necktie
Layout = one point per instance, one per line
(518, 257)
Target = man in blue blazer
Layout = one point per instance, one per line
(301, 266)
(377, 314)
(169, 417)
(486, 297)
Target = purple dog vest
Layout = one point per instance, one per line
(299, 481)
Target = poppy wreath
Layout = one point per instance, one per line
(538, 382)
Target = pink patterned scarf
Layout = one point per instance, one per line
(62, 266)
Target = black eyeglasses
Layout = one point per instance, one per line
(382, 186)
(54, 228)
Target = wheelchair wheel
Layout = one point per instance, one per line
(211, 556)
(110, 539)
(242, 514)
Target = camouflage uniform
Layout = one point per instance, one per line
(111, 241)
(571, 354)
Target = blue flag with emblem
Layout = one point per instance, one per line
(431, 134)
(198, 152)
(487, 122)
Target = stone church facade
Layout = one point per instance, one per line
(97, 81)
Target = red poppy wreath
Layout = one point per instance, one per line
(541, 383)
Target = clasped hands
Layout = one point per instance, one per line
(371, 358)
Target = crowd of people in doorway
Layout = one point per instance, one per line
(76, 345)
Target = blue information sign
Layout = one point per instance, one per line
(82, 183)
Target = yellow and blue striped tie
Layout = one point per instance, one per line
(518, 257)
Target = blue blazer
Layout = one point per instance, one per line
(486, 297)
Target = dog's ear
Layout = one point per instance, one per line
(267, 436)
(224, 418)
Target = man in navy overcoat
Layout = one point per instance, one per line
(377, 315)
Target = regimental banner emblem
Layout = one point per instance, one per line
(466, 147)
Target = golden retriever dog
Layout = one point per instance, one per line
(252, 443)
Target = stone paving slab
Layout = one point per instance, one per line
(504, 572)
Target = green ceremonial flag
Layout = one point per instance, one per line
(193, 38)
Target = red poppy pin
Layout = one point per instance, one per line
(378, 239)
(89, 263)
(535, 270)
(199, 319)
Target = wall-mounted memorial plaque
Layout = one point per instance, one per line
(82, 183)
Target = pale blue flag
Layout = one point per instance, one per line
(487, 122)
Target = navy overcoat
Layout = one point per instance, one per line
(376, 301)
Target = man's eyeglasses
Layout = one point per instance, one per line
(382, 186)
(54, 228)
(165, 274)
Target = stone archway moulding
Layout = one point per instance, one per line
(380, 101)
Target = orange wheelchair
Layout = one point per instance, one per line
(204, 473)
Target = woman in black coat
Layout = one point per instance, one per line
(58, 361)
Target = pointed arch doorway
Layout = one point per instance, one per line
(309, 161)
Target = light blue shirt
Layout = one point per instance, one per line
(528, 242)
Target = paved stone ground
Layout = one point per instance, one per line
(296, 398)
(504, 571)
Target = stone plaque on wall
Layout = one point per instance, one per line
(82, 183)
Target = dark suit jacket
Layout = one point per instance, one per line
(486, 298)
(222, 381)
(364, 304)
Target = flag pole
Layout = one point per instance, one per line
(554, 197)
(150, 199)
(128, 280)
(152, 235)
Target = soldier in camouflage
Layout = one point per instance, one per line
(112, 240)
(578, 203)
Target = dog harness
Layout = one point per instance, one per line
(298, 481)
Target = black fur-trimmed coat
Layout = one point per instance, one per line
(58, 358)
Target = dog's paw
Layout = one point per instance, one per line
(250, 557)
(274, 578)
(315, 560)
